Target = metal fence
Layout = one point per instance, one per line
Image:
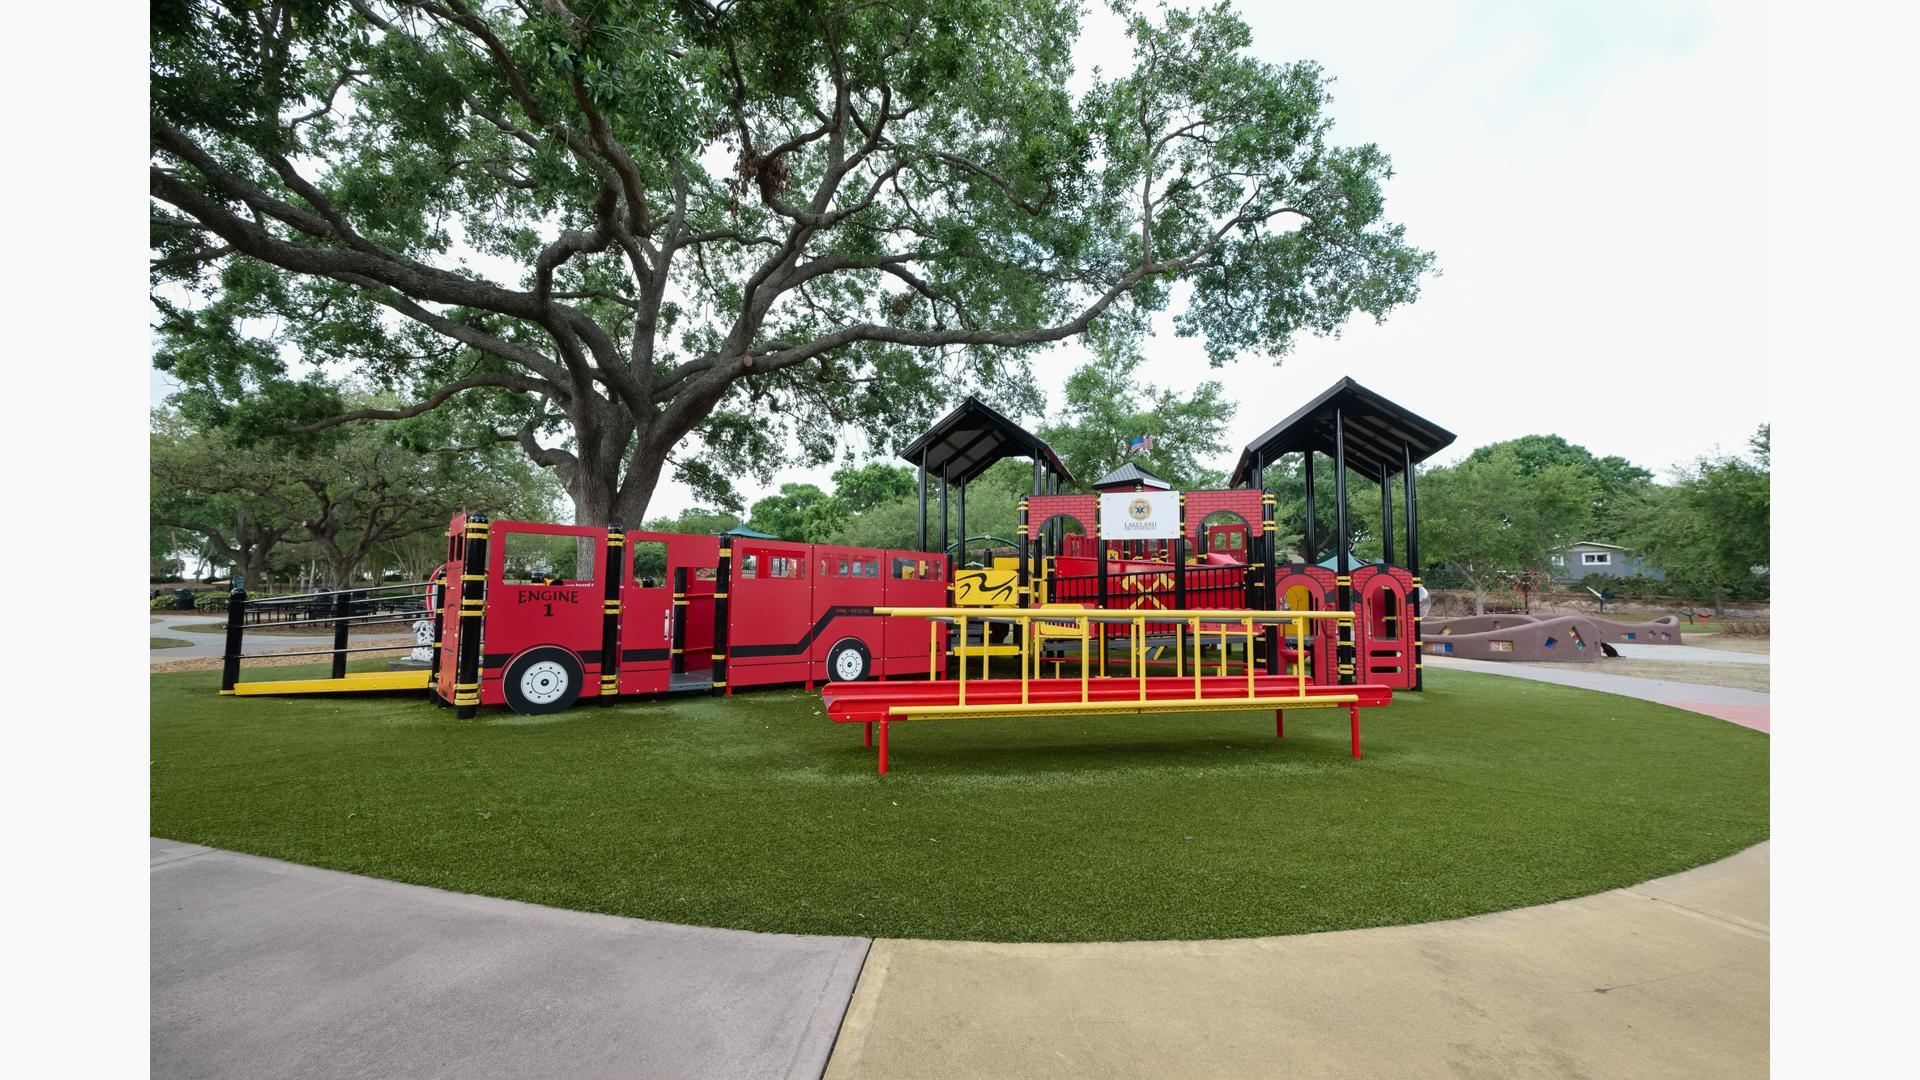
(341, 609)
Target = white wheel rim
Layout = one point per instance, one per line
(848, 665)
(544, 683)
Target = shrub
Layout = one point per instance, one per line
(210, 600)
(163, 602)
(1637, 587)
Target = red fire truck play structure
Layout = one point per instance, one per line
(537, 617)
(529, 614)
(680, 612)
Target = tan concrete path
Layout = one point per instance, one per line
(1665, 979)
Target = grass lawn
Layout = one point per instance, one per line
(170, 643)
(1482, 794)
(202, 627)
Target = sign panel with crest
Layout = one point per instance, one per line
(1140, 515)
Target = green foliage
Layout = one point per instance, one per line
(164, 602)
(1634, 587)
(890, 525)
(337, 499)
(859, 489)
(1712, 531)
(1107, 404)
(210, 600)
(695, 520)
(1489, 515)
(639, 237)
(1620, 482)
(799, 512)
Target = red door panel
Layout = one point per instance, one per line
(544, 588)
(646, 621)
(770, 600)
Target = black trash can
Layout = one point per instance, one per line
(183, 599)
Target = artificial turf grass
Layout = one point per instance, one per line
(756, 812)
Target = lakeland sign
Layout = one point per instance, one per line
(1140, 515)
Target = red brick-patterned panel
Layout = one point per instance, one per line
(1081, 508)
(1242, 502)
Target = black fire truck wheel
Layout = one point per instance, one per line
(848, 661)
(543, 680)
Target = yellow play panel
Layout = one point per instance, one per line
(355, 682)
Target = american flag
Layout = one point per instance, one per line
(1140, 444)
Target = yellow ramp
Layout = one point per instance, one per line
(355, 682)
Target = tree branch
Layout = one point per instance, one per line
(427, 404)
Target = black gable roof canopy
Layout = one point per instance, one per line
(1379, 434)
(968, 440)
(1129, 474)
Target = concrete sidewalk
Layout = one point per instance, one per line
(266, 970)
(201, 646)
(1666, 979)
(1691, 654)
(1748, 708)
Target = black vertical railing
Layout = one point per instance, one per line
(722, 586)
(677, 649)
(342, 613)
(473, 608)
(610, 614)
(236, 635)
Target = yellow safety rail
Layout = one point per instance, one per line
(1075, 623)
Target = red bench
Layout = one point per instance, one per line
(884, 703)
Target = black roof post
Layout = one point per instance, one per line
(923, 500)
(1386, 515)
(1311, 541)
(1342, 570)
(1413, 564)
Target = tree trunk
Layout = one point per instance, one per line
(1719, 600)
(340, 573)
(593, 498)
(643, 476)
(252, 568)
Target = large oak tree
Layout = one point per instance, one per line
(634, 236)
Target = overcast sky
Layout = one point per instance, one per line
(1591, 179)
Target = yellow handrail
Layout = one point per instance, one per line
(1082, 620)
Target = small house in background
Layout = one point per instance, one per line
(1576, 561)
